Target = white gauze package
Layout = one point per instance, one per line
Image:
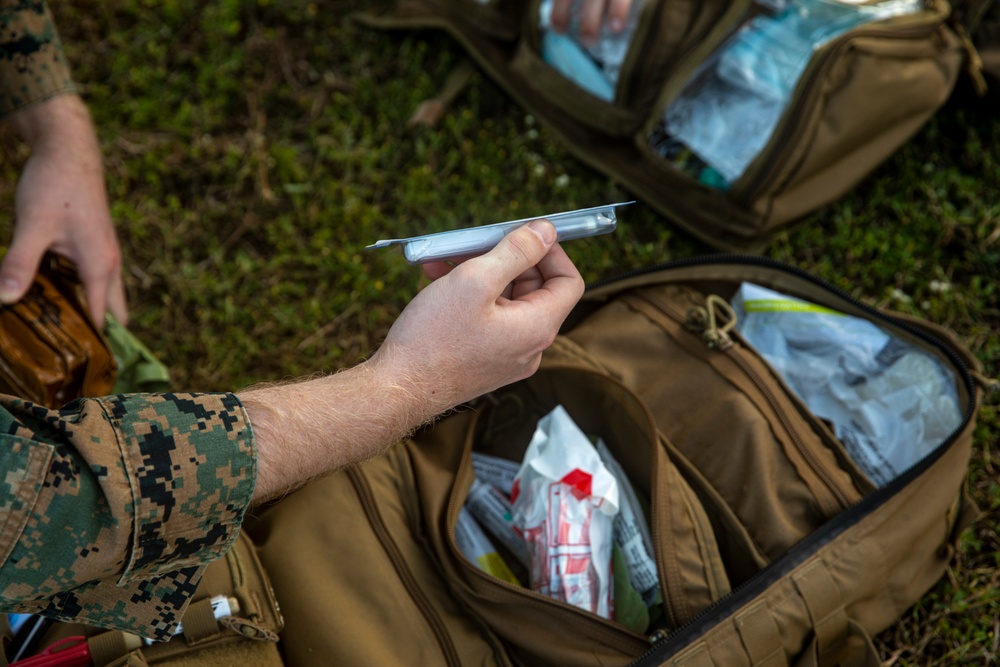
(564, 502)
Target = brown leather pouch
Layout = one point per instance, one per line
(50, 350)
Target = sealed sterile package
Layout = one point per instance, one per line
(565, 501)
(495, 470)
(472, 241)
(491, 508)
(890, 402)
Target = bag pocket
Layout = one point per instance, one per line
(612, 85)
(781, 130)
(777, 468)
(691, 572)
(233, 617)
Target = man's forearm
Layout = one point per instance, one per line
(55, 122)
(306, 429)
(482, 325)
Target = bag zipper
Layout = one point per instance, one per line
(789, 133)
(710, 616)
(409, 581)
(717, 338)
(739, 355)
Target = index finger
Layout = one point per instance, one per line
(559, 285)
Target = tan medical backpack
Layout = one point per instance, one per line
(773, 547)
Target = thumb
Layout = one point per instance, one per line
(19, 267)
(522, 249)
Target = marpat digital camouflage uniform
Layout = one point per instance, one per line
(111, 507)
(32, 65)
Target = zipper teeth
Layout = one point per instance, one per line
(399, 563)
(764, 179)
(840, 499)
(766, 262)
(689, 632)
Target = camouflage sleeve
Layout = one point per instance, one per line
(111, 508)
(32, 65)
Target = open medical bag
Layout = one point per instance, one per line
(732, 118)
(781, 535)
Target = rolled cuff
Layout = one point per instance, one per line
(33, 67)
(191, 470)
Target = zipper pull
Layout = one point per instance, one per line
(702, 320)
(659, 635)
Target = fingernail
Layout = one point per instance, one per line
(617, 25)
(9, 288)
(545, 230)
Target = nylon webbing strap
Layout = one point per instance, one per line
(826, 608)
(107, 647)
(199, 621)
(697, 657)
(760, 636)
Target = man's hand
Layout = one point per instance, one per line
(592, 14)
(62, 206)
(480, 325)
(484, 323)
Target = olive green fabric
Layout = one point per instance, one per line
(139, 370)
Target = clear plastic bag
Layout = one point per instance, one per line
(728, 110)
(890, 403)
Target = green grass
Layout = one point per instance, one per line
(254, 147)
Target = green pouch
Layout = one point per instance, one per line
(138, 368)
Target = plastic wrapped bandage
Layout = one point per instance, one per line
(472, 241)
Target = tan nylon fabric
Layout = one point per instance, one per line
(344, 599)
(367, 572)
(240, 576)
(864, 96)
(684, 533)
